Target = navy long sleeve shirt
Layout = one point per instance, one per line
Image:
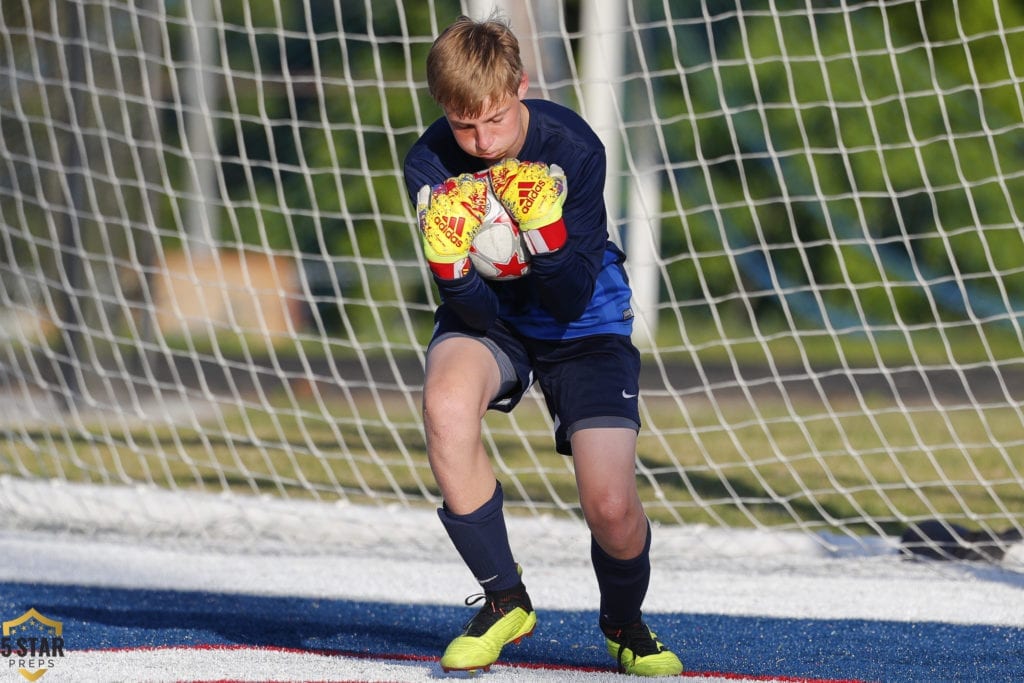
(577, 291)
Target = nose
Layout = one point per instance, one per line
(483, 140)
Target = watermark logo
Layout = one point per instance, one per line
(32, 644)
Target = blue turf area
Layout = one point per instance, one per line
(101, 618)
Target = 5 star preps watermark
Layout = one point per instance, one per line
(32, 644)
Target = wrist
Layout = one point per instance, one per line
(546, 239)
(452, 270)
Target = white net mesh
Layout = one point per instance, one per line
(209, 276)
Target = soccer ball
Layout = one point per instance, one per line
(497, 251)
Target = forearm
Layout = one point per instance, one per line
(565, 283)
(471, 299)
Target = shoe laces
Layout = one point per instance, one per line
(496, 605)
(637, 637)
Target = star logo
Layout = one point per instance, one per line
(33, 643)
(512, 268)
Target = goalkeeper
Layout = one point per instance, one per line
(566, 324)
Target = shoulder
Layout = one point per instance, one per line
(557, 123)
(558, 135)
(436, 142)
(433, 157)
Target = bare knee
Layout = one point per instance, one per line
(445, 408)
(455, 451)
(618, 523)
(452, 426)
(461, 378)
(609, 512)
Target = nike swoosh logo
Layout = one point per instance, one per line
(625, 395)
(487, 580)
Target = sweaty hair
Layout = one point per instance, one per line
(473, 64)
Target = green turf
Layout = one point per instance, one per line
(858, 466)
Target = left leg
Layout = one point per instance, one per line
(620, 547)
(620, 534)
(591, 386)
(606, 478)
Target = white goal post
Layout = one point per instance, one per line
(211, 283)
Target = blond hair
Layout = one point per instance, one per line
(473, 64)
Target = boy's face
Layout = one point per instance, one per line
(497, 132)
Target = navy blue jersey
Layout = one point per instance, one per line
(577, 291)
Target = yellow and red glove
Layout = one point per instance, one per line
(533, 193)
(450, 215)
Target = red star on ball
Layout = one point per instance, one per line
(513, 268)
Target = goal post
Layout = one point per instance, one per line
(211, 283)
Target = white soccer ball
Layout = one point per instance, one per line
(497, 251)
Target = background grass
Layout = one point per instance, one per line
(846, 465)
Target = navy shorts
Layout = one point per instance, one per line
(586, 382)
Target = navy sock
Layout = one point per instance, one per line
(482, 540)
(623, 583)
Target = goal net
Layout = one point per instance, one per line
(211, 283)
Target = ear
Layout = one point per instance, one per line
(524, 85)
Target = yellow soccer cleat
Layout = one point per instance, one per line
(506, 617)
(637, 651)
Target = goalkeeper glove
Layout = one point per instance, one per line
(533, 193)
(450, 215)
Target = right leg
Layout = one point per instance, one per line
(463, 375)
